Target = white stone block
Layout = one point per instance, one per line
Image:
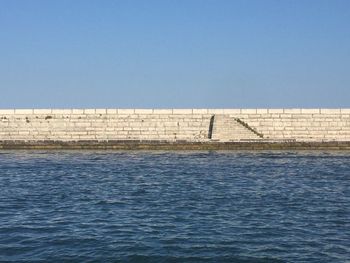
(82, 124)
(310, 111)
(330, 111)
(89, 111)
(143, 111)
(292, 111)
(42, 111)
(182, 111)
(6, 111)
(61, 111)
(126, 111)
(162, 111)
(112, 111)
(262, 111)
(276, 110)
(100, 111)
(77, 111)
(232, 111)
(248, 111)
(215, 111)
(285, 117)
(200, 111)
(23, 111)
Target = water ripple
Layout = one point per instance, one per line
(174, 206)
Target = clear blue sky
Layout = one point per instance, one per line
(169, 53)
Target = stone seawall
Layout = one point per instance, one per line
(62, 127)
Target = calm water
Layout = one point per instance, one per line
(174, 206)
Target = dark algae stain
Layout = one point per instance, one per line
(166, 206)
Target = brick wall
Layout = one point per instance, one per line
(299, 124)
(173, 124)
(103, 124)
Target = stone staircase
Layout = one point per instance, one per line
(226, 128)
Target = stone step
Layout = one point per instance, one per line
(226, 128)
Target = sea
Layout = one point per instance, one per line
(173, 206)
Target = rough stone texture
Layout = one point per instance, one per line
(301, 124)
(103, 124)
(175, 145)
(226, 128)
(191, 125)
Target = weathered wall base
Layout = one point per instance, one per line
(174, 145)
